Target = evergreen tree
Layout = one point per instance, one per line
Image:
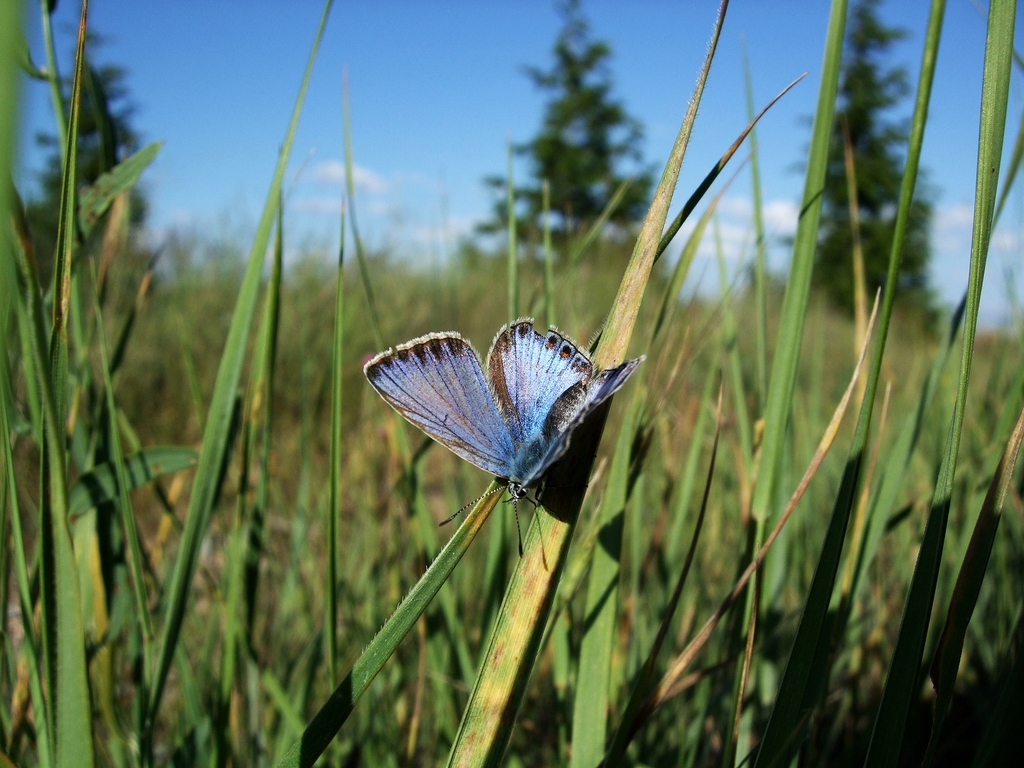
(587, 144)
(867, 93)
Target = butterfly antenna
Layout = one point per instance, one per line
(471, 504)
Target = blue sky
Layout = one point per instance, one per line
(438, 88)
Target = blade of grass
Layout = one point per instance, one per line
(220, 415)
(549, 257)
(94, 200)
(898, 460)
(860, 293)
(901, 685)
(746, 469)
(743, 428)
(334, 507)
(682, 267)
(685, 493)
(794, 303)
(760, 281)
(703, 187)
(670, 682)
(598, 226)
(515, 641)
(64, 631)
(131, 533)
(99, 485)
(999, 745)
(591, 705)
(807, 667)
(61, 286)
(52, 75)
(245, 542)
(9, 24)
(946, 662)
(350, 189)
(617, 752)
(333, 713)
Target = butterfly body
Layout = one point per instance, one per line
(514, 421)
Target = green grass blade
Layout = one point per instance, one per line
(760, 259)
(597, 227)
(709, 179)
(901, 685)
(334, 506)
(257, 516)
(794, 303)
(99, 486)
(946, 662)
(194, 388)
(218, 423)
(549, 257)
(428, 530)
(898, 460)
(338, 707)
(94, 200)
(350, 188)
(515, 641)
(53, 75)
(61, 287)
(999, 745)
(743, 427)
(619, 328)
(593, 678)
(641, 686)
(10, 206)
(279, 696)
(807, 667)
(64, 632)
(120, 473)
(686, 484)
(670, 299)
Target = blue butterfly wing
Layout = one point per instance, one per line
(529, 372)
(437, 383)
(567, 415)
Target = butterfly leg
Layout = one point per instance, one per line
(517, 492)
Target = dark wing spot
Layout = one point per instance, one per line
(402, 354)
(552, 341)
(523, 329)
(566, 351)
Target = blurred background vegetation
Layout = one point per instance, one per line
(257, 652)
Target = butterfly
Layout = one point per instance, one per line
(513, 418)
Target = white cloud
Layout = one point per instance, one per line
(311, 204)
(329, 172)
(735, 206)
(959, 215)
(780, 217)
(333, 172)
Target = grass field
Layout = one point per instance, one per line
(229, 548)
